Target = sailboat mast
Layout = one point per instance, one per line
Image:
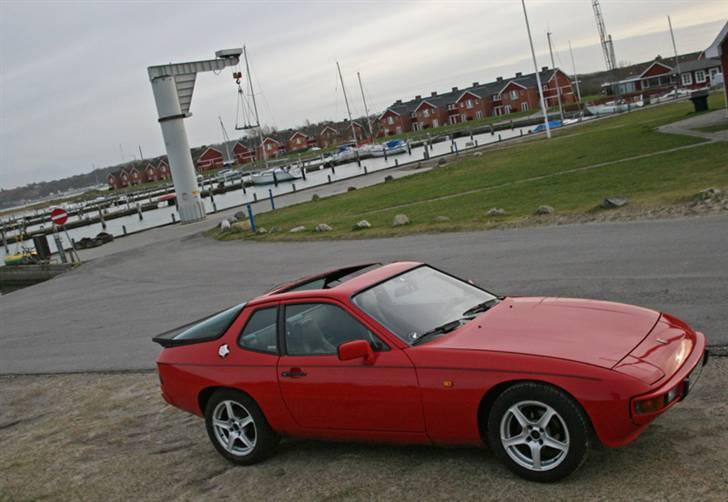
(255, 108)
(346, 100)
(674, 48)
(556, 75)
(225, 139)
(366, 110)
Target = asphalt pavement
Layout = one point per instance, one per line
(102, 316)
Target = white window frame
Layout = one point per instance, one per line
(435, 123)
(514, 94)
(390, 120)
(700, 76)
(479, 114)
(469, 104)
(524, 106)
(688, 80)
(426, 112)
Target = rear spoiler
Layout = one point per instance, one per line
(168, 338)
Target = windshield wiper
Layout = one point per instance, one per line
(442, 329)
(481, 307)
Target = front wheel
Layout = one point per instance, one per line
(538, 431)
(237, 428)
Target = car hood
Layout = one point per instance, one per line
(588, 331)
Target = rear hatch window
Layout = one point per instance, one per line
(202, 330)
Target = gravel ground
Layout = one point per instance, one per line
(111, 437)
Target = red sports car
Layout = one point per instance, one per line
(407, 353)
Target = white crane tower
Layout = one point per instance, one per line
(173, 85)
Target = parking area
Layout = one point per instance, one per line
(111, 437)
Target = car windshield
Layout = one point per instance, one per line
(418, 301)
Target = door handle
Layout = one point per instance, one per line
(294, 373)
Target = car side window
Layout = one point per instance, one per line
(319, 329)
(260, 332)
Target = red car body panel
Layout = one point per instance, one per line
(603, 354)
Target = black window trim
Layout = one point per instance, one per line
(242, 329)
(329, 301)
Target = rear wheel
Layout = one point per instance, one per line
(237, 428)
(538, 431)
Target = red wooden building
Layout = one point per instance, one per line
(298, 141)
(719, 50)
(242, 154)
(211, 158)
(273, 148)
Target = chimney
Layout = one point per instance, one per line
(476, 84)
(418, 97)
(499, 79)
(544, 68)
(398, 102)
(519, 74)
(433, 93)
(454, 89)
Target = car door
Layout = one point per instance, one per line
(323, 392)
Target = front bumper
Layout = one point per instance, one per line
(683, 381)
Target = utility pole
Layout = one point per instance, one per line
(556, 76)
(366, 110)
(255, 107)
(538, 77)
(678, 80)
(346, 100)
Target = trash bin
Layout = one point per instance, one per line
(41, 247)
(700, 100)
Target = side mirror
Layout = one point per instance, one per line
(356, 349)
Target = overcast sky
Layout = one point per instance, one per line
(74, 87)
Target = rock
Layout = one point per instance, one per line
(240, 226)
(362, 224)
(240, 216)
(544, 210)
(225, 226)
(297, 229)
(323, 227)
(478, 154)
(400, 219)
(351, 189)
(274, 230)
(613, 202)
(440, 219)
(261, 231)
(708, 193)
(388, 178)
(495, 211)
(315, 197)
(441, 162)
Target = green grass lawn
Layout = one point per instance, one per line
(521, 177)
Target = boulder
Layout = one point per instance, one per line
(323, 227)
(351, 189)
(240, 226)
(240, 216)
(708, 193)
(495, 211)
(544, 210)
(261, 231)
(478, 154)
(360, 225)
(274, 230)
(441, 162)
(315, 197)
(440, 219)
(388, 178)
(297, 229)
(225, 226)
(400, 219)
(613, 202)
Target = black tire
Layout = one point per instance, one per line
(569, 427)
(265, 438)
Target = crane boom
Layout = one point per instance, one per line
(604, 39)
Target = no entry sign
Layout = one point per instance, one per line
(59, 216)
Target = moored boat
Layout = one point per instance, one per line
(273, 175)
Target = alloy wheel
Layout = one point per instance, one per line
(534, 435)
(234, 428)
